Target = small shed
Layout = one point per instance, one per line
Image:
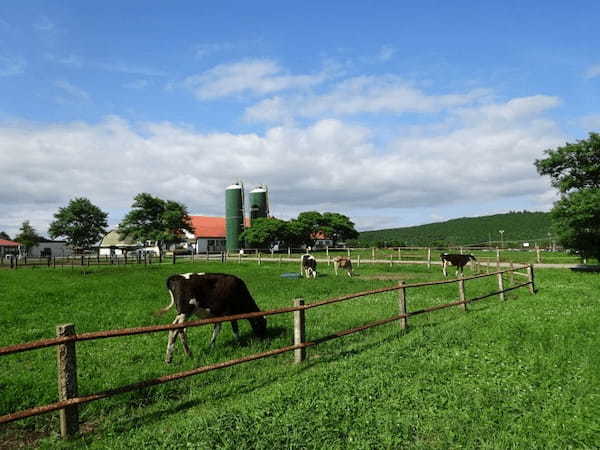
(114, 244)
(9, 247)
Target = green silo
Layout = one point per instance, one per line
(234, 215)
(259, 202)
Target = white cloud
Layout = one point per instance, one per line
(364, 94)
(71, 93)
(330, 165)
(258, 76)
(592, 71)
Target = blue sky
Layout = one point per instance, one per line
(396, 115)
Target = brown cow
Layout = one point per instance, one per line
(343, 262)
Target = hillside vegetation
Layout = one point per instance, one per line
(517, 226)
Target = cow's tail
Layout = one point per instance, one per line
(160, 312)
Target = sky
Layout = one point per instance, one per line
(392, 113)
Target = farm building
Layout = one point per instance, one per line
(8, 247)
(209, 234)
(113, 244)
(49, 247)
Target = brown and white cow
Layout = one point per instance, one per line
(308, 266)
(209, 295)
(455, 259)
(343, 262)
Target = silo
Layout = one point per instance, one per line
(234, 215)
(259, 202)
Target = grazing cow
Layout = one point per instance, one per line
(343, 262)
(209, 295)
(308, 267)
(458, 260)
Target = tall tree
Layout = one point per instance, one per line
(81, 223)
(154, 219)
(265, 232)
(574, 169)
(27, 237)
(4, 235)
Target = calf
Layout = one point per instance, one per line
(458, 260)
(343, 262)
(209, 295)
(308, 266)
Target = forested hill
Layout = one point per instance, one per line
(517, 226)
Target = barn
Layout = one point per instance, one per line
(209, 234)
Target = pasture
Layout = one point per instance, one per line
(519, 373)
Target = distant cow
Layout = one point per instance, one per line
(209, 295)
(343, 262)
(455, 259)
(308, 267)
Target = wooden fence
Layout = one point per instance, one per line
(69, 399)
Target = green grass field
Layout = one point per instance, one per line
(521, 373)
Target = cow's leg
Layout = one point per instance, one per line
(180, 318)
(184, 342)
(236, 330)
(444, 263)
(216, 331)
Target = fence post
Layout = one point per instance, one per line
(222, 257)
(399, 255)
(239, 257)
(512, 274)
(497, 258)
(327, 250)
(258, 258)
(391, 260)
(402, 306)
(328, 261)
(537, 252)
(500, 286)
(373, 254)
(299, 332)
(357, 260)
(67, 381)
(289, 251)
(429, 258)
(531, 278)
(348, 250)
(461, 293)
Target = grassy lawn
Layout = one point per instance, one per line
(520, 373)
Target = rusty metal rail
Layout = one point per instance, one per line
(61, 405)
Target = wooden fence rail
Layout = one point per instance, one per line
(67, 338)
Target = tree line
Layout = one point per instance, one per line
(164, 222)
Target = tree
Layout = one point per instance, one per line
(4, 235)
(574, 170)
(154, 219)
(81, 223)
(27, 237)
(265, 232)
(337, 226)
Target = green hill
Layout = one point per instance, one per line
(517, 226)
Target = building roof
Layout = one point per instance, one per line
(211, 227)
(114, 239)
(5, 243)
